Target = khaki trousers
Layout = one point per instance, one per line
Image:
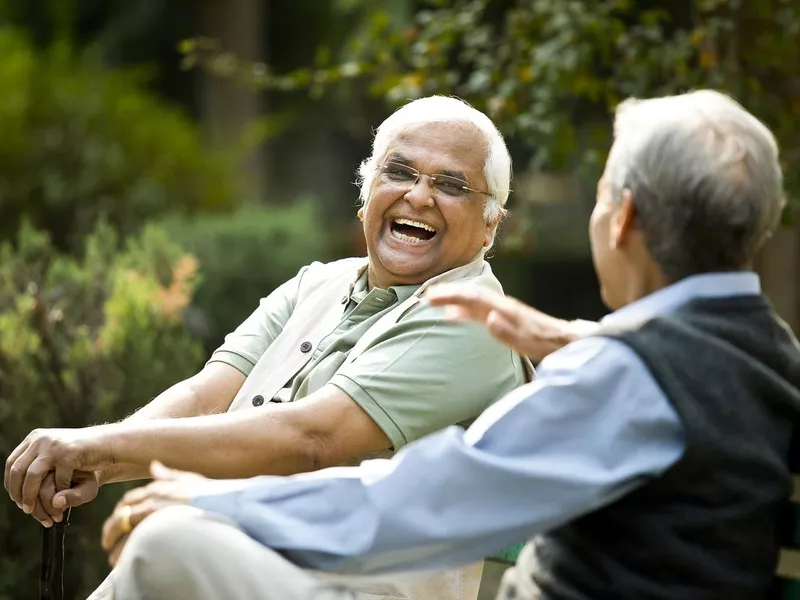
(184, 553)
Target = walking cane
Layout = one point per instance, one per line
(51, 577)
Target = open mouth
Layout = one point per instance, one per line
(412, 232)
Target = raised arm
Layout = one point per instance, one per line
(525, 329)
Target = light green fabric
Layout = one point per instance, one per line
(421, 375)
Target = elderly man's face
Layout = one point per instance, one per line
(417, 234)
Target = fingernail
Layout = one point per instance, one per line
(57, 518)
(19, 505)
(47, 524)
(27, 509)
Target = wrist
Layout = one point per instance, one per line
(565, 332)
(579, 328)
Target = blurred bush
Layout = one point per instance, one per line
(245, 255)
(81, 142)
(84, 341)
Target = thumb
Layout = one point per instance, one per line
(159, 471)
(82, 493)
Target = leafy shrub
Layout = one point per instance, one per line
(84, 341)
(80, 142)
(244, 256)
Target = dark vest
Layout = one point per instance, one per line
(708, 528)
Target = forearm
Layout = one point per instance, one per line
(210, 391)
(231, 445)
(176, 402)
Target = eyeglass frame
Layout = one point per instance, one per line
(433, 177)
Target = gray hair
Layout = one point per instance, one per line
(443, 109)
(705, 177)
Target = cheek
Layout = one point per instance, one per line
(374, 208)
(466, 220)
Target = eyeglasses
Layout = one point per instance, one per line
(404, 177)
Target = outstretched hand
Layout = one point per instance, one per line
(170, 488)
(527, 330)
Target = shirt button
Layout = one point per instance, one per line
(258, 400)
(305, 347)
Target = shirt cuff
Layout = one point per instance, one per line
(382, 419)
(237, 361)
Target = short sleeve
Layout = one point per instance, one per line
(426, 373)
(244, 347)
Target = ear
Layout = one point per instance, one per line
(624, 220)
(360, 214)
(491, 226)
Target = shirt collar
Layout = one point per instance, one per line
(403, 292)
(360, 289)
(670, 298)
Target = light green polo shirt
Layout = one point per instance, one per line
(421, 375)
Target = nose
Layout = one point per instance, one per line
(421, 193)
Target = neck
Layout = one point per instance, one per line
(649, 280)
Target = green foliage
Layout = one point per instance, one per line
(78, 341)
(549, 73)
(81, 143)
(244, 256)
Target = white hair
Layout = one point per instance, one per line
(444, 109)
(705, 177)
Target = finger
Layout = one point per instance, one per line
(509, 309)
(17, 475)
(34, 475)
(114, 527)
(140, 494)
(160, 472)
(473, 304)
(505, 331)
(46, 493)
(41, 515)
(464, 295)
(113, 555)
(9, 468)
(453, 312)
(81, 493)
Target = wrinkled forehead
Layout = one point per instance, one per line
(441, 147)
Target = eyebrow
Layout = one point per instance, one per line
(399, 158)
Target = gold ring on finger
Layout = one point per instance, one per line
(125, 519)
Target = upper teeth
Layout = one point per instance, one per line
(415, 224)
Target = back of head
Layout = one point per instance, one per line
(705, 178)
(444, 109)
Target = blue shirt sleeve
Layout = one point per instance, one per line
(592, 427)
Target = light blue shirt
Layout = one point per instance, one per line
(591, 428)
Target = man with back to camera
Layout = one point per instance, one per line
(647, 461)
(343, 361)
